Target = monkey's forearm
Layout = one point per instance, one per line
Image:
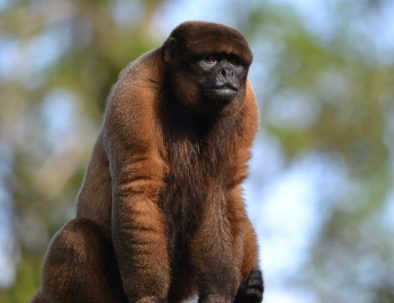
(140, 246)
(216, 258)
(138, 229)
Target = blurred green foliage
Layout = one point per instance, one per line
(63, 57)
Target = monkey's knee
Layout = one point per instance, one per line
(79, 266)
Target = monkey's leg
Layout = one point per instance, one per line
(80, 267)
(251, 288)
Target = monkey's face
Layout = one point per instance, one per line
(222, 77)
(207, 66)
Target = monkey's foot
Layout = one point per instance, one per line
(255, 287)
(252, 290)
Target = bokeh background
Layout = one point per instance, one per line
(320, 192)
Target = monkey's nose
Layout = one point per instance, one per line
(227, 73)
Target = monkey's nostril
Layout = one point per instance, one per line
(227, 73)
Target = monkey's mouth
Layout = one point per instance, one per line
(226, 92)
(227, 86)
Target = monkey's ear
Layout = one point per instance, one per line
(170, 49)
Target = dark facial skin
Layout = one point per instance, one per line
(222, 76)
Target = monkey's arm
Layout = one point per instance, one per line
(137, 173)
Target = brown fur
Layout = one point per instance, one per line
(160, 214)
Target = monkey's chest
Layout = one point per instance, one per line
(197, 169)
(191, 185)
(183, 202)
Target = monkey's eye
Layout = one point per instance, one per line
(234, 61)
(210, 60)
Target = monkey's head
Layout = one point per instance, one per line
(207, 65)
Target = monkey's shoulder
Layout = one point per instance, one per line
(137, 87)
(143, 72)
(131, 108)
